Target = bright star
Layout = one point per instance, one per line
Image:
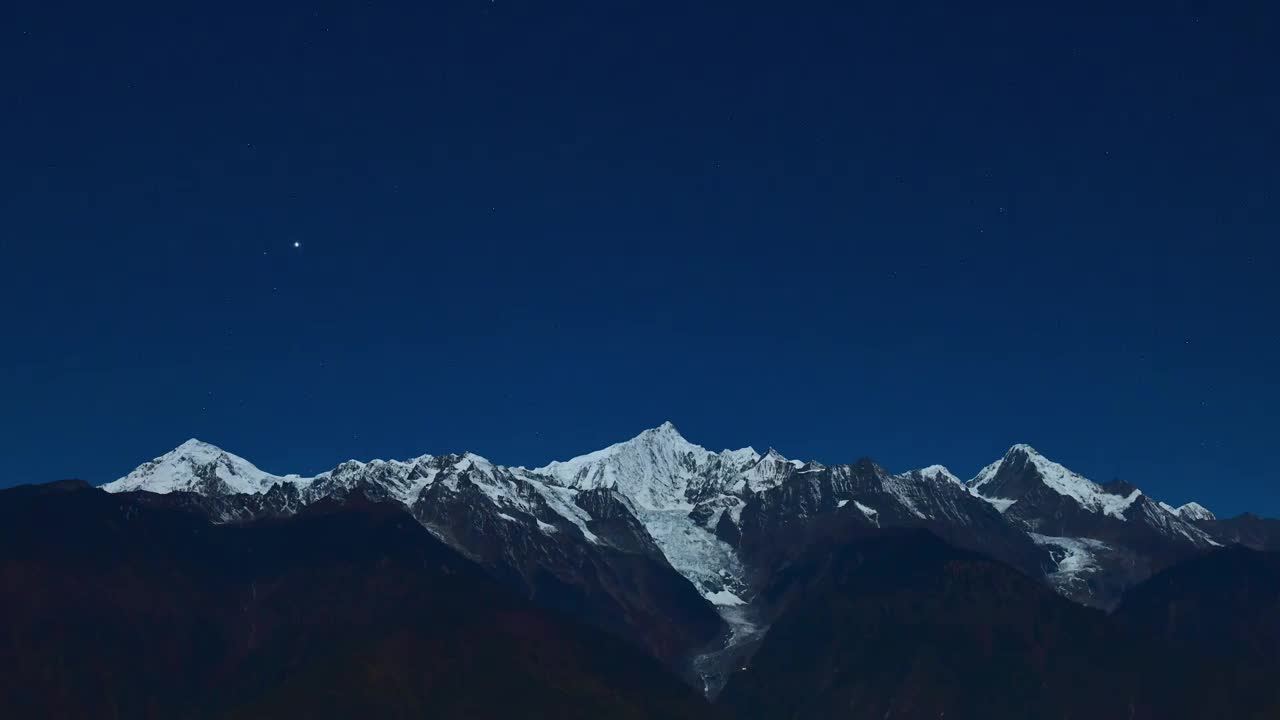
(297, 244)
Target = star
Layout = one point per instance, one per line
(297, 244)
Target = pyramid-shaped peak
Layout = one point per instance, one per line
(652, 469)
(665, 435)
(773, 458)
(197, 451)
(470, 460)
(1020, 452)
(939, 471)
(1196, 511)
(197, 444)
(666, 429)
(1023, 449)
(1023, 469)
(196, 466)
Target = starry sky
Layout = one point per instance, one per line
(916, 231)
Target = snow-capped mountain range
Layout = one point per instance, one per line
(723, 521)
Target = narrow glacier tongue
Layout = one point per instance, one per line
(727, 653)
(708, 562)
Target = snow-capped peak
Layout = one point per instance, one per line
(769, 471)
(197, 466)
(938, 472)
(985, 475)
(197, 446)
(470, 459)
(988, 473)
(653, 469)
(1195, 511)
(1004, 481)
(1023, 450)
(742, 457)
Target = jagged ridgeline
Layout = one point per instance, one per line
(678, 549)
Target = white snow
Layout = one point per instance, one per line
(904, 489)
(744, 457)
(658, 471)
(1172, 522)
(428, 475)
(184, 467)
(1088, 494)
(706, 560)
(771, 470)
(1001, 504)
(1077, 559)
(662, 477)
(986, 474)
(404, 480)
(724, 597)
(653, 469)
(1195, 511)
(872, 514)
(561, 501)
(735, 510)
(939, 471)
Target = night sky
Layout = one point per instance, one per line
(916, 231)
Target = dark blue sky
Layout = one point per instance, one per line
(916, 231)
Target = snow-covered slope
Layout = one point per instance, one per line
(939, 472)
(660, 470)
(1075, 561)
(689, 500)
(719, 519)
(402, 480)
(1050, 501)
(766, 472)
(1194, 511)
(199, 467)
(665, 477)
(653, 469)
(577, 551)
(1005, 480)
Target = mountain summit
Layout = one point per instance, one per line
(196, 466)
(673, 546)
(1023, 471)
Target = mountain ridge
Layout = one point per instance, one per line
(620, 532)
